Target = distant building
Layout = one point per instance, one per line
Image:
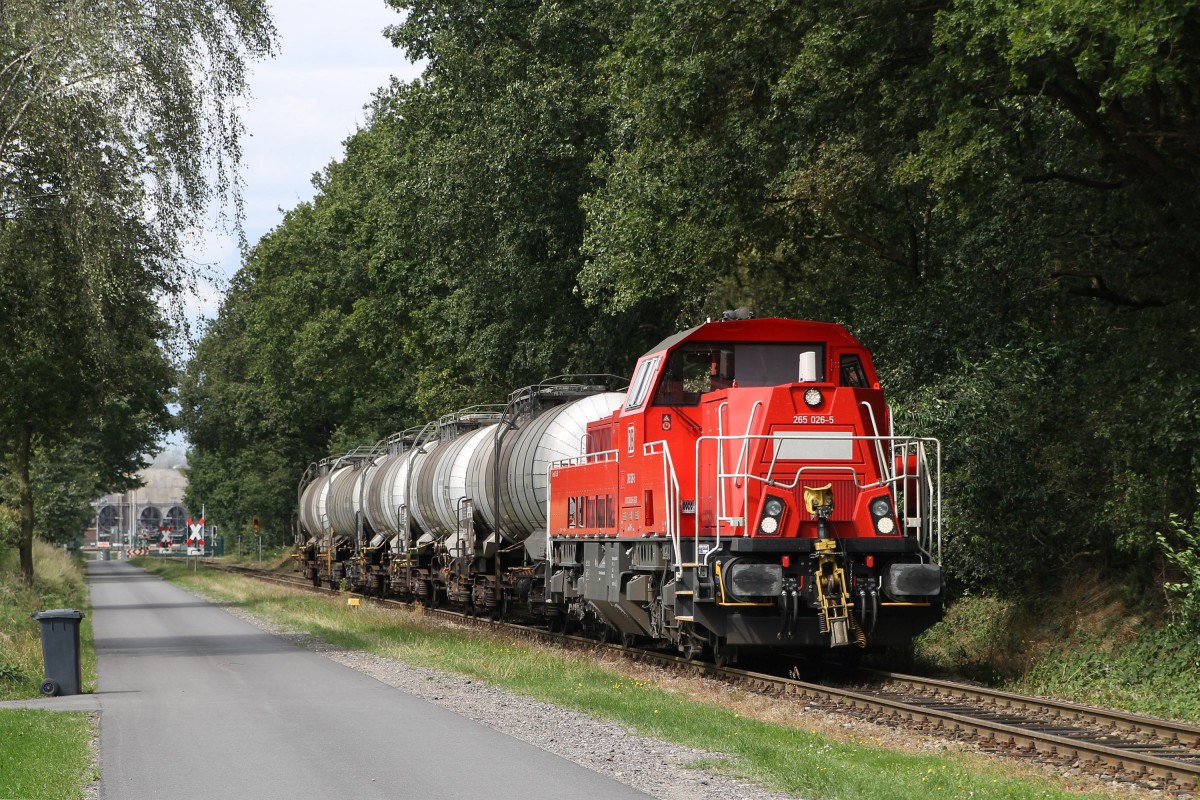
(144, 514)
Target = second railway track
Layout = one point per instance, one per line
(1164, 753)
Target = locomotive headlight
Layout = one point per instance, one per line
(772, 513)
(881, 513)
(813, 397)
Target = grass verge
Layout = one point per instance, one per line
(45, 755)
(58, 583)
(786, 758)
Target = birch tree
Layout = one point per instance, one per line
(119, 125)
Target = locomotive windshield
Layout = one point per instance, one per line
(696, 369)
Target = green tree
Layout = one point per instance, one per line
(118, 123)
(499, 135)
(74, 366)
(999, 199)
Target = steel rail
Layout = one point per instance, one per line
(1143, 759)
(1171, 731)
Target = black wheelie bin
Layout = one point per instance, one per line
(60, 651)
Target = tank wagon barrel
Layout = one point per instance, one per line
(744, 492)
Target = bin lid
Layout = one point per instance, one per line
(57, 613)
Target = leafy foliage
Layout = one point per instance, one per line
(118, 123)
(1185, 558)
(999, 200)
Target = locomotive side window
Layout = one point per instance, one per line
(641, 383)
(692, 371)
(852, 371)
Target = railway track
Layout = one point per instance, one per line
(1161, 753)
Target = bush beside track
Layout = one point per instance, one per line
(1102, 651)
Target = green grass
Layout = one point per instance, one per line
(45, 755)
(1155, 672)
(58, 583)
(783, 758)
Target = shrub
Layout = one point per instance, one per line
(1184, 593)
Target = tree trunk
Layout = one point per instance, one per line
(25, 487)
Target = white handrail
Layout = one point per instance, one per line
(926, 527)
(671, 482)
(886, 469)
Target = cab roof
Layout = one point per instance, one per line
(769, 329)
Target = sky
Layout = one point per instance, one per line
(304, 104)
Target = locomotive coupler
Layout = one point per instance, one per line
(819, 502)
(835, 605)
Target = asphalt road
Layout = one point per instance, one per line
(198, 704)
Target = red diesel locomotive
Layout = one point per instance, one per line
(746, 493)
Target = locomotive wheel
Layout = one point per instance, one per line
(692, 644)
(722, 654)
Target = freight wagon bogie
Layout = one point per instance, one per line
(746, 493)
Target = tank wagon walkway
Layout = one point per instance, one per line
(198, 704)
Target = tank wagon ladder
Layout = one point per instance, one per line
(403, 514)
(356, 460)
(406, 442)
